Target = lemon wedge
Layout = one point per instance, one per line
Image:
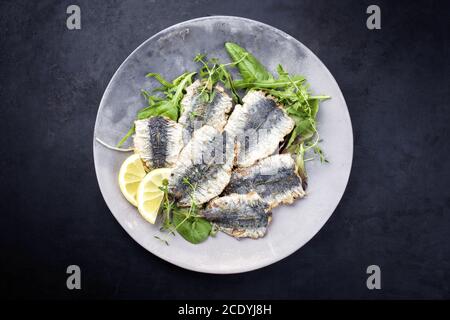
(149, 195)
(131, 174)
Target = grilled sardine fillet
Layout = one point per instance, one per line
(239, 215)
(198, 111)
(275, 179)
(158, 140)
(204, 167)
(259, 125)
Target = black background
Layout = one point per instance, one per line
(395, 212)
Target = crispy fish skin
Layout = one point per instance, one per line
(204, 165)
(197, 112)
(275, 179)
(239, 215)
(259, 125)
(158, 141)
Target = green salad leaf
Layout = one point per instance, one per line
(249, 67)
(192, 228)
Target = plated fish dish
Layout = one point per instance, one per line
(218, 149)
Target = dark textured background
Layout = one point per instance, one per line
(395, 212)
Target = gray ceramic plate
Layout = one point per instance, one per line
(170, 52)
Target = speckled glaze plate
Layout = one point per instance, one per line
(170, 52)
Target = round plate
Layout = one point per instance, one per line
(170, 52)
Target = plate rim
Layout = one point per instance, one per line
(238, 269)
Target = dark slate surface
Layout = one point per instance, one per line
(395, 212)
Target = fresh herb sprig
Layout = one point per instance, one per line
(185, 221)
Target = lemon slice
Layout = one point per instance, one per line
(131, 174)
(149, 195)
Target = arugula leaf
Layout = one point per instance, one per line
(163, 108)
(314, 105)
(187, 80)
(192, 228)
(160, 79)
(282, 74)
(249, 67)
(126, 136)
(303, 130)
